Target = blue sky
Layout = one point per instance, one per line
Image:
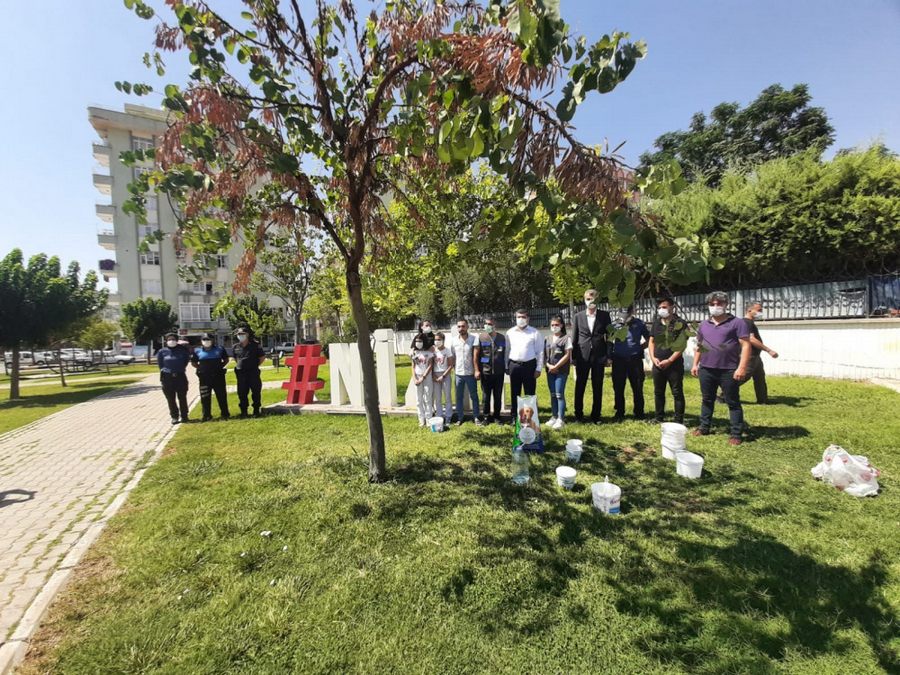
(67, 55)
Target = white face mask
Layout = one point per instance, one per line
(206, 343)
(488, 328)
(171, 343)
(243, 339)
(759, 315)
(663, 313)
(555, 329)
(439, 343)
(419, 344)
(716, 310)
(426, 329)
(521, 322)
(590, 304)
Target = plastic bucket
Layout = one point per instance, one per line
(574, 443)
(565, 477)
(436, 424)
(688, 464)
(607, 497)
(573, 453)
(672, 439)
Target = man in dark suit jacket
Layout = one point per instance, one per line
(590, 350)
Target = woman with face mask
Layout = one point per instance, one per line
(443, 367)
(210, 360)
(172, 360)
(558, 357)
(721, 358)
(423, 363)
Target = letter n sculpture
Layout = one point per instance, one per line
(304, 364)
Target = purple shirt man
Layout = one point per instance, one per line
(721, 342)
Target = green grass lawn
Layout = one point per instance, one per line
(42, 374)
(40, 401)
(450, 568)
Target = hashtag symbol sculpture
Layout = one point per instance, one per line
(304, 365)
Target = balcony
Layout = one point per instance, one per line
(109, 269)
(103, 183)
(106, 212)
(102, 154)
(106, 237)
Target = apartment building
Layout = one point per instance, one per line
(153, 273)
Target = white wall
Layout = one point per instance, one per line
(855, 349)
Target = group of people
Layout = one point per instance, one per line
(209, 361)
(727, 355)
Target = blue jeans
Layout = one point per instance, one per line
(556, 383)
(464, 382)
(710, 381)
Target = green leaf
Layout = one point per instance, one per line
(444, 131)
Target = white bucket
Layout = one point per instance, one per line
(672, 440)
(565, 477)
(688, 464)
(573, 453)
(436, 424)
(576, 443)
(607, 497)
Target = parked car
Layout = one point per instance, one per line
(283, 348)
(117, 359)
(44, 358)
(25, 358)
(79, 356)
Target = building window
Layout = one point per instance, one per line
(145, 231)
(222, 261)
(141, 143)
(194, 311)
(150, 258)
(151, 287)
(199, 287)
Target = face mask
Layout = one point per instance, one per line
(206, 343)
(521, 323)
(439, 343)
(590, 304)
(663, 312)
(419, 344)
(243, 339)
(426, 329)
(716, 310)
(171, 343)
(759, 315)
(555, 329)
(488, 328)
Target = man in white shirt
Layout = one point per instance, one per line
(463, 347)
(524, 358)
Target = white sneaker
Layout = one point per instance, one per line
(421, 423)
(559, 424)
(551, 422)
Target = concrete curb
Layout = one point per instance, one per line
(13, 650)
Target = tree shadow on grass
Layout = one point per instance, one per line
(716, 593)
(76, 395)
(790, 401)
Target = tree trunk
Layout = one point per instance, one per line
(149, 349)
(14, 376)
(298, 326)
(377, 468)
(62, 367)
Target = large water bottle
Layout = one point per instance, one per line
(520, 474)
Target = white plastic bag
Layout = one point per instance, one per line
(851, 473)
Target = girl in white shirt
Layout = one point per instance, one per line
(443, 367)
(423, 363)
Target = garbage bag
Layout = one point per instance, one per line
(527, 434)
(852, 474)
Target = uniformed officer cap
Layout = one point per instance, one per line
(243, 329)
(170, 334)
(207, 336)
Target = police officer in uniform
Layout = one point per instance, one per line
(248, 357)
(172, 361)
(209, 360)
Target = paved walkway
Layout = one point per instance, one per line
(59, 480)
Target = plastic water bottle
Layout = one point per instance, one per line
(520, 474)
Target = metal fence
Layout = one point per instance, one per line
(870, 296)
